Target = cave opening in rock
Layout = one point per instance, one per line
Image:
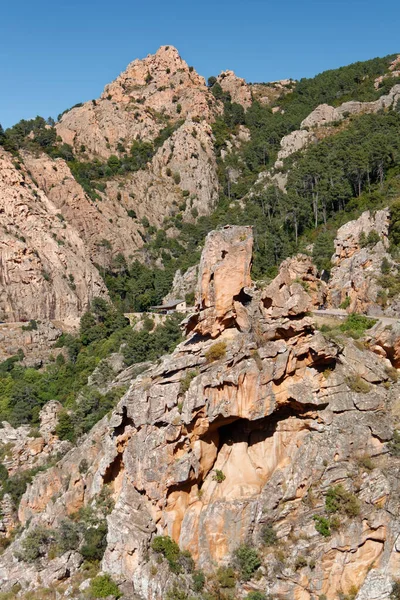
(243, 298)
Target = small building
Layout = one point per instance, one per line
(170, 307)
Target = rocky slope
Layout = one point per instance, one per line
(251, 423)
(45, 267)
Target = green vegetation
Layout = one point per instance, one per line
(339, 500)
(186, 380)
(103, 586)
(103, 329)
(322, 525)
(354, 326)
(268, 535)
(248, 561)
(178, 560)
(394, 444)
(219, 476)
(226, 577)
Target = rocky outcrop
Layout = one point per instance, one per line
(183, 284)
(291, 143)
(36, 344)
(137, 104)
(357, 269)
(223, 439)
(385, 341)
(45, 268)
(237, 87)
(182, 176)
(296, 289)
(394, 71)
(325, 114)
(321, 115)
(26, 448)
(224, 275)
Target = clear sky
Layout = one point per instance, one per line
(55, 54)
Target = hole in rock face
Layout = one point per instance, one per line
(113, 470)
(125, 421)
(224, 253)
(243, 298)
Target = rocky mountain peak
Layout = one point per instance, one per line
(138, 104)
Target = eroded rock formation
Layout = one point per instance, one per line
(273, 407)
(357, 263)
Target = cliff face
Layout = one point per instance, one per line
(45, 267)
(227, 437)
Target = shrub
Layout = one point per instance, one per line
(219, 476)
(216, 351)
(358, 384)
(186, 380)
(95, 541)
(300, 562)
(3, 473)
(226, 577)
(394, 444)
(385, 266)
(247, 560)
(365, 462)
(256, 596)
(166, 546)
(103, 586)
(83, 466)
(67, 536)
(322, 525)
(199, 580)
(268, 535)
(35, 544)
(177, 178)
(355, 325)
(31, 327)
(346, 303)
(338, 499)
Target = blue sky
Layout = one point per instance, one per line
(55, 54)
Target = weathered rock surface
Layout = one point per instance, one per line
(36, 344)
(137, 103)
(45, 268)
(237, 87)
(183, 284)
(325, 114)
(224, 275)
(291, 143)
(276, 411)
(357, 269)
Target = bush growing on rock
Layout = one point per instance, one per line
(219, 476)
(199, 580)
(247, 560)
(216, 351)
(35, 544)
(268, 535)
(322, 525)
(338, 499)
(103, 586)
(226, 577)
(166, 546)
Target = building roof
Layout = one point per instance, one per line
(170, 304)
